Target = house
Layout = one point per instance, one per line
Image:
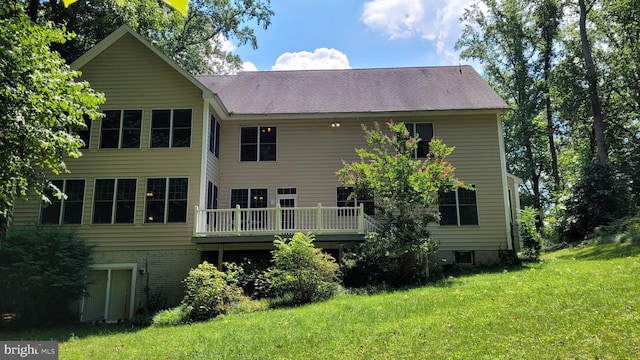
(183, 169)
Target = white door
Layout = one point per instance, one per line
(287, 198)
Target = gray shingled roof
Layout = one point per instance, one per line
(354, 90)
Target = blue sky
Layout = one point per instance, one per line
(330, 34)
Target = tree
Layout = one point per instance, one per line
(502, 35)
(592, 80)
(193, 41)
(43, 270)
(42, 106)
(405, 190)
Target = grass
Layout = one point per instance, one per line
(581, 303)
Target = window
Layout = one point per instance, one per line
(84, 133)
(458, 207)
(214, 137)
(463, 257)
(249, 198)
(258, 143)
(212, 199)
(66, 210)
(114, 201)
(424, 131)
(366, 199)
(166, 200)
(121, 129)
(171, 128)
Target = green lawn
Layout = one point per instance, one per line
(576, 304)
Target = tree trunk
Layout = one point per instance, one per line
(592, 80)
(535, 183)
(550, 128)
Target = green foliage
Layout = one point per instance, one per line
(599, 198)
(43, 270)
(41, 106)
(250, 278)
(530, 237)
(171, 317)
(194, 41)
(302, 273)
(405, 192)
(207, 293)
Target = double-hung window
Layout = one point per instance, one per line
(170, 128)
(114, 201)
(258, 143)
(166, 200)
(458, 207)
(344, 199)
(424, 131)
(83, 132)
(121, 129)
(214, 137)
(68, 209)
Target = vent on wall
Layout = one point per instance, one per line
(463, 257)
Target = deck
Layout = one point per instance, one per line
(222, 225)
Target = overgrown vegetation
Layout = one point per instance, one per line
(43, 271)
(531, 239)
(405, 190)
(530, 312)
(301, 272)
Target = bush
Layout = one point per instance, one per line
(207, 293)
(45, 270)
(250, 278)
(389, 258)
(531, 239)
(302, 273)
(600, 197)
(171, 317)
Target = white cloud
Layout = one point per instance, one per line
(321, 58)
(249, 66)
(433, 20)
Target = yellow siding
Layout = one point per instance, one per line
(133, 77)
(309, 152)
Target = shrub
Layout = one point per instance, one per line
(171, 317)
(207, 293)
(600, 197)
(45, 270)
(250, 278)
(302, 273)
(531, 239)
(388, 258)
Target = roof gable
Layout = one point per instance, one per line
(124, 30)
(354, 91)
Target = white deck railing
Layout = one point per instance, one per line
(282, 220)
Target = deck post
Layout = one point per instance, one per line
(195, 221)
(237, 220)
(361, 218)
(319, 218)
(278, 218)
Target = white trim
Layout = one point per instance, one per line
(132, 291)
(517, 181)
(204, 156)
(505, 185)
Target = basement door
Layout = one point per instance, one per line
(109, 294)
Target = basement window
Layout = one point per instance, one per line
(463, 257)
